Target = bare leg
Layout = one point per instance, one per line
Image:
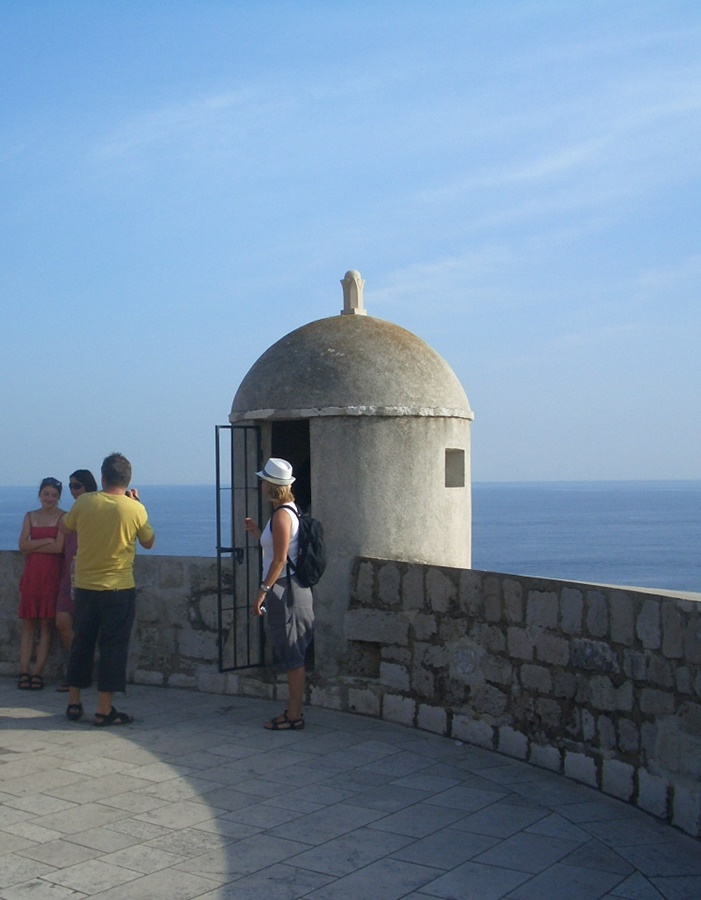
(44, 645)
(295, 684)
(293, 717)
(74, 696)
(64, 626)
(26, 644)
(104, 702)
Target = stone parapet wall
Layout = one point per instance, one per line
(174, 641)
(601, 684)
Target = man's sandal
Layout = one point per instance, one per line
(285, 723)
(74, 712)
(24, 681)
(113, 717)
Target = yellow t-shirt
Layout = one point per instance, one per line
(108, 526)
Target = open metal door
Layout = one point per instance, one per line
(238, 458)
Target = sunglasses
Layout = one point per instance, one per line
(75, 485)
(53, 482)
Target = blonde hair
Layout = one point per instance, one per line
(280, 493)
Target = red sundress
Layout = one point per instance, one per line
(41, 579)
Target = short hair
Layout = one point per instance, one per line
(86, 478)
(281, 493)
(116, 470)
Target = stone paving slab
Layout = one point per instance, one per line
(197, 800)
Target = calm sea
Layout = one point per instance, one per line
(646, 534)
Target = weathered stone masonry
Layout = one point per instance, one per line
(598, 683)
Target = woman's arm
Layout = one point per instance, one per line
(29, 545)
(26, 544)
(281, 528)
(54, 546)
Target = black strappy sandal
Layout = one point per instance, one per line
(74, 713)
(113, 717)
(285, 723)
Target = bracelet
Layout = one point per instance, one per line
(264, 587)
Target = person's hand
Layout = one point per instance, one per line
(252, 528)
(258, 603)
(133, 493)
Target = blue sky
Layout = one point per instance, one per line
(183, 183)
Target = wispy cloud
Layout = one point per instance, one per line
(564, 161)
(274, 106)
(191, 119)
(463, 279)
(682, 280)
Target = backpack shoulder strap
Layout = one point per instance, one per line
(286, 506)
(289, 561)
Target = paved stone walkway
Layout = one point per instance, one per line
(196, 799)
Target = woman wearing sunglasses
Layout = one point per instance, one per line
(41, 544)
(80, 482)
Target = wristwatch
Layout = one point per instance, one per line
(264, 587)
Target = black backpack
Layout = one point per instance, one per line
(311, 561)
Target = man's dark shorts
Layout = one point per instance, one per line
(103, 619)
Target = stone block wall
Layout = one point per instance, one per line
(601, 684)
(174, 641)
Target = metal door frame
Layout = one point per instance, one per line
(237, 629)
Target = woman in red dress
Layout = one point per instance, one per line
(42, 546)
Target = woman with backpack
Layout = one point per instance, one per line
(288, 604)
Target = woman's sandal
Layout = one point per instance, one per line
(74, 712)
(113, 717)
(36, 683)
(24, 681)
(285, 723)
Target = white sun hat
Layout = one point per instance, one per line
(277, 471)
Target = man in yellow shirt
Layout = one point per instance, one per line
(108, 523)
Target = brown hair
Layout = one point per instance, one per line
(86, 479)
(51, 482)
(116, 470)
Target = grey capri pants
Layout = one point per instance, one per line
(290, 621)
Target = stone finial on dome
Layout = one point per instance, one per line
(353, 286)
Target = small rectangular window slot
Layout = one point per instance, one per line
(455, 468)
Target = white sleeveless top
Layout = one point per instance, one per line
(266, 537)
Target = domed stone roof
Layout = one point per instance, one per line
(349, 365)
